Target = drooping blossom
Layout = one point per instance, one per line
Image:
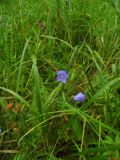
(62, 76)
(80, 97)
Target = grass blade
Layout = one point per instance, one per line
(37, 91)
(16, 96)
(20, 66)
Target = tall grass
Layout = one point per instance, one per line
(39, 118)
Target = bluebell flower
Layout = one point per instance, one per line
(80, 97)
(62, 76)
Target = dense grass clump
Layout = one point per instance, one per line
(59, 80)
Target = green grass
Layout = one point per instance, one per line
(39, 119)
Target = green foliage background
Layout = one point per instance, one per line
(38, 38)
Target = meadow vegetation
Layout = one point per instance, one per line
(39, 117)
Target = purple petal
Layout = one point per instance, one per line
(62, 76)
(79, 97)
(58, 79)
(62, 72)
(64, 80)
